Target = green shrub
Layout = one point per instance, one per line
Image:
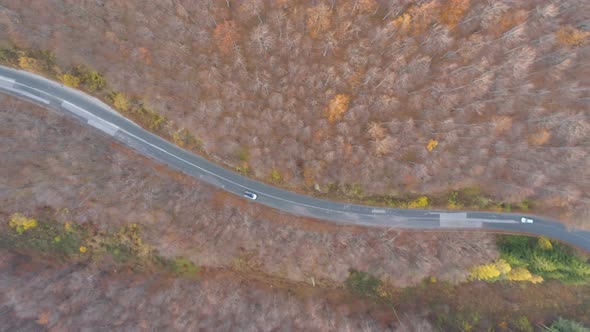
(453, 200)
(551, 260)
(151, 119)
(523, 324)
(564, 325)
(243, 154)
(185, 139)
(185, 267)
(45, 236)
(37, 61)
(362, 283)
(94, 80)
(90, 79)
(8, 56)
(275, 176)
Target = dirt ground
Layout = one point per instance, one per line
(397, 97)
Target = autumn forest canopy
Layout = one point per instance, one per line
(454, 104)
(394, 98)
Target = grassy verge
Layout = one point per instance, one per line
(472, 198)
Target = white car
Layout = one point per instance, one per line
(526, 220)
(250, 195)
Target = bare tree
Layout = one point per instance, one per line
(263, 38)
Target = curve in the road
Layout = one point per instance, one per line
(95, 113)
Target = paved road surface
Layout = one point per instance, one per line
(92, 112)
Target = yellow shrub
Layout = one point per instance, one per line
(503, 266)
(183, 138)
(20, 223)
(419, 202)
(121, 102)
(485, 272)
(382, 292)
(338, 105)
(71, 80)
(275, 176)
(466, 326)
(519, 274)
(402, 23)
(30, 64)
(544, 243)
(83, 249)
(431, 145)
(570, 36)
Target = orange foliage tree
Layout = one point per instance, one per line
(225, 37)
(452, 11)
(570, 36)
(366, 6)
(318, 20)
(30, 64)
(431, 145)
(338, 105)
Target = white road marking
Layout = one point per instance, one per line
(32, 96)
(378, 211)
(88, 115)
(454, 220)
(105, 126)
(9, 84)
(502, 221)
(173, 155)
(79, 111)
(6, 82)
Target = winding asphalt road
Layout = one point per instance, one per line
(96, 114)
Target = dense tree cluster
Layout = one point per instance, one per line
(64, 297)
(72, 174)
(352, 91)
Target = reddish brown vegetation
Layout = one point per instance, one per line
(58, 169)
(257, 76)
(39, 295)
(453, 11)
(225, 37)
(79, 175)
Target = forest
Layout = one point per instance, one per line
(82, 217)
(395, 99)
(455, 104)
